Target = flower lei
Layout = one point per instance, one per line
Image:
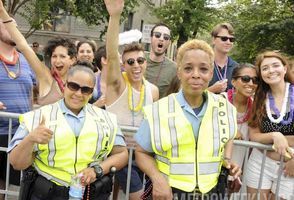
(246, 115)
(130, 95)
(270, 103)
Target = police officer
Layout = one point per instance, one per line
(190, 132)
(67, 138)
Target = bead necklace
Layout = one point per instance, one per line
(88, 193)
(12, 74)
(270, 103)
(16, 62)
(130, 95)
(245, 117)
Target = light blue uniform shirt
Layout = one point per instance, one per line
(143, 137)
(76, 122)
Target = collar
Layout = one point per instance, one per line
(231, 62)
(67, 111)
(184, 104)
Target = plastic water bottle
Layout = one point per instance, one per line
(76, 189)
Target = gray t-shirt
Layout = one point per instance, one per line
(160, 73)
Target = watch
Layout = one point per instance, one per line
(98, 170)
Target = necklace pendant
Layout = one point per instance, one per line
(12, 75)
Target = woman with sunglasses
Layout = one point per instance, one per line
(272, 122)
(244, 81)
(66, 139)
(127, 92)
(61, 52)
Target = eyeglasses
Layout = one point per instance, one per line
(247, 79)
(75, 87)
(140, 60)
(158, 35)
(225, 38)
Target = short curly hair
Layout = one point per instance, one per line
(134, 46)
(60, 41)
(194, 45)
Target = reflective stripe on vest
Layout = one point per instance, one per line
(61, 158)
(173, 141)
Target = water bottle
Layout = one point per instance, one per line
(76, 189)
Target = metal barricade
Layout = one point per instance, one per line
(10, 117)
(242, 195)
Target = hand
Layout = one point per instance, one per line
(41, 134)
(220, 86)
(114, 7)
(100, 102)
(289, 168)
(233, 168)
(88, 176)
(161, 189)
(280, 143)
(2, 106)
(234, 185)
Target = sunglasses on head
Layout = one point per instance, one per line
(75, 87)
(158, 35)
(225, 38)
(140, 60)
(247, 79)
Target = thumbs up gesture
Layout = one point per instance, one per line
(41, 134)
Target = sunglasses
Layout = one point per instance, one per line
(75, 87)
(140, 60)
(225, 38)
(247, 79)
(158, 35)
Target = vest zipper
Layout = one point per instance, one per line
(196, 163)
(75, 167)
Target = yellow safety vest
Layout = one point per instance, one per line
(185, 163)
(66, 154)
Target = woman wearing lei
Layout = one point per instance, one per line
(244, 81)
(272, 122)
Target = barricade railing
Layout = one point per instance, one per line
(239, 196)
(10, 117)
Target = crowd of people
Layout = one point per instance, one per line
(187, 113)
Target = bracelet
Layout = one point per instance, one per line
(7, 21)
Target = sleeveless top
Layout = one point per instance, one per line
(53, 95)
(120, 107)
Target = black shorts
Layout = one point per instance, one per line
(14, 175)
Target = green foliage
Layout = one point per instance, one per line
(186, 18)
(39, 13)
(261, 25)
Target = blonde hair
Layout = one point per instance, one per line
(195, 45)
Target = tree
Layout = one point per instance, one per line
(261, 25)
(39, 12)
(186, 18)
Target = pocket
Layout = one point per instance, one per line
(42, 187)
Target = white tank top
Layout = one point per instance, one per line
(120, 107)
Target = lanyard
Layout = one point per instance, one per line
(219, 74)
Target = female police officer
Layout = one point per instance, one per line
(66, 138)
(185, 137)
